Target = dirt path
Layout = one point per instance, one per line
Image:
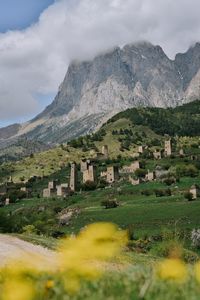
(14, 248)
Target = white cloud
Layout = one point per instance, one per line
(34, 61)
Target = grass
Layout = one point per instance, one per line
(147, 214)
(139, 282)
(35, 239)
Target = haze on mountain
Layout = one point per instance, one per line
(138, 74)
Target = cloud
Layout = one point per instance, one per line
(34, 61)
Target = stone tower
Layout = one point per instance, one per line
(73, 177)
(89, 174)
(105, 151)
(84, 164)
(168, 148)
(112, 174)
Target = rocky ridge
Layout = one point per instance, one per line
(93, 91)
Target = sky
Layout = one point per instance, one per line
(39, 38)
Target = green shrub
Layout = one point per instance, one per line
(168, 248)
(162, 193)
(29, 229)
(89, 186)
(109, 204)
(188, 196)
(140, 173)
(146, 192)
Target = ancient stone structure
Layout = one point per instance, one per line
(194, 157)
(103, 174)
(84, 164)
(7, 201)
(134, 181)
(51, 190)
(151, 176)
(157, 154)
(47, 193)
(52, 184)
(63, 190)
(105, 151)
(26, 190)
(181, 152)
(99, 156)
(73, 177)
(140, 149)
(89, 174)
(112, 174)
(195, 191)
(132, 168)
(168, 148)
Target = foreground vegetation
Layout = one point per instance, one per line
(97, 265)
(161, 253)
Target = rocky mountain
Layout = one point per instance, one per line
(93, 91)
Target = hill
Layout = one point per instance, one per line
(182, 120)
(123, 134)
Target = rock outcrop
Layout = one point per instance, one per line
(93, 91)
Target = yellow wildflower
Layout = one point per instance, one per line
(49, 284)
(18, 289)
(79, 256)
(173, 269)
(197, 271)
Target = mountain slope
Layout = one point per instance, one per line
(123, 133)
(93, 91)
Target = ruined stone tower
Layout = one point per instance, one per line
(84, 164)
(168, 148)
(73, 177)
(112, 174)
(89, 174)
(105, 151)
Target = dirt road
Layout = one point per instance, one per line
(14, 248)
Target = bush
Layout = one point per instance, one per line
(16, 195)
(57, 234)
(109, 204)
(141, 245)
(146, 192)
(162, 193)
(190, 170)
(89, 186)
(140, 173)
(169, 181)
(102, 184)
(188, 196)
(29, 229)
(189, 256)
(168, 248)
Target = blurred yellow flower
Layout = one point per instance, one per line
(79, 256)
(197, 271)
(18, 289)
(173, 269)
(49, 284)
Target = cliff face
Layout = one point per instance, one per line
(136, 75)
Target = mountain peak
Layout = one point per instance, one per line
(138, 74)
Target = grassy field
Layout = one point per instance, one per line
(148, 215)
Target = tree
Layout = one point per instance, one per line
(140, 173)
